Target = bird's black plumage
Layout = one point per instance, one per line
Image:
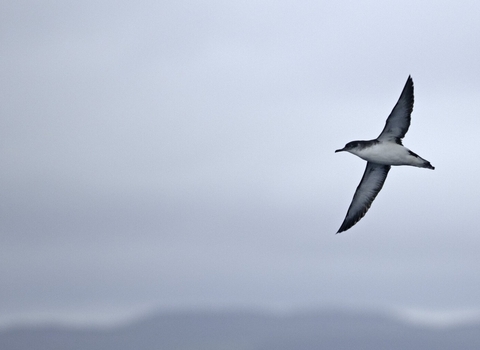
(371, 183)
(398, 121)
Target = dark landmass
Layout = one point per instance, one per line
(247, 331)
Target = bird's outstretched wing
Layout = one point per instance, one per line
(399, 119)
(372, 182)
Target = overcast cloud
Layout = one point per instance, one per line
(181, 154)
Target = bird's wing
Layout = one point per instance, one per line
(372, 182)
(399, 119)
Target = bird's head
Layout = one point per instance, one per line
(349, 147)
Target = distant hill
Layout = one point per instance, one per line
(330, 330)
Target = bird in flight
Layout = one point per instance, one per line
(381, 153)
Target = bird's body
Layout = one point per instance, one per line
(381, 153)
(388, 153)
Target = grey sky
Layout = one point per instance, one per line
(178, 154)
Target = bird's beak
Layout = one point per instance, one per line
(340, 150)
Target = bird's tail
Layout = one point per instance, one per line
(420, 162)
(427, 165)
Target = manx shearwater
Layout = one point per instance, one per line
(381, 153)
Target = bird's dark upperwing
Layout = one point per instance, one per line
(399, 120)
(372, 182)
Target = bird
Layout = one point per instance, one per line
(381, 153)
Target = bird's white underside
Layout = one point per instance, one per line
(388, 153)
